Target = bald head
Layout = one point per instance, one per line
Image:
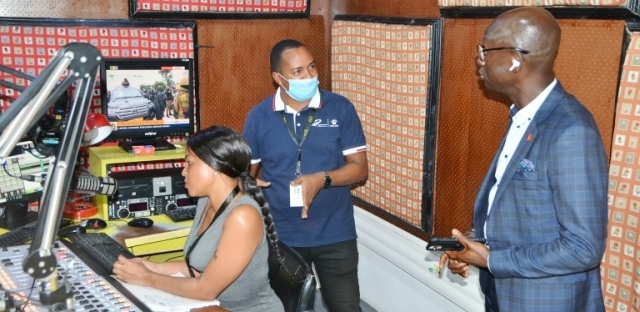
(529, 28)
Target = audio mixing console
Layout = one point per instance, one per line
(90, 291)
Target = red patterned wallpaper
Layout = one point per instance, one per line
(29, 48)
(256, 6)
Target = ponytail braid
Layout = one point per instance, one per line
(250, 187)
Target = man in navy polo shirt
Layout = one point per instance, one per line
(309, 145)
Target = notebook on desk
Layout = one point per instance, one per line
(161, 301)
(156, 239)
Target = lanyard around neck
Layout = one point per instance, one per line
(304, 136)
(224, 206)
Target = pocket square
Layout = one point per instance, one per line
(526, 166)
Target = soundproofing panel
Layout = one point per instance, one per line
(621, 264)
(518, 3)
(233, 58)
(28, 45)
(596, 9)
(219, 8)
(472, 120)
(388, 70)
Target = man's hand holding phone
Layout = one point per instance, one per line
(472, 253)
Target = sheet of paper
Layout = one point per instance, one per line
(161, 301)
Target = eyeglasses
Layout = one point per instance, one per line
(482, 50)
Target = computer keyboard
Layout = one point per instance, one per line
(181, 214)
(100, 247)
(24, 233)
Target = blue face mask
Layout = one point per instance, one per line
(302, 89)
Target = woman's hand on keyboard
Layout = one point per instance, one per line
(131, 271)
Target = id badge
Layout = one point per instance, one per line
(295, 195)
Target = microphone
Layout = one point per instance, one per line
(34, 178)
(94, 185)
(83, 184)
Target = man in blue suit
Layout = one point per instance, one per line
(542, 206)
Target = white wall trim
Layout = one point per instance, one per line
(394, 272)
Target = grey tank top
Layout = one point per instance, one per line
(251, 290)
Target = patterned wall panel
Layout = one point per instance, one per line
(384, 70)
(28, 46)
(84, 9)
(222, 5)
(621, 264)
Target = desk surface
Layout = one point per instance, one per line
(120, 231)
(164, 236)
(113, 154)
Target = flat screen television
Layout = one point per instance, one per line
(148, 100)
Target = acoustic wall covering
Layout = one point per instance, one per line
(28, 45)
(517, 3)
(384, 69)
(221, 5)
(621, 264)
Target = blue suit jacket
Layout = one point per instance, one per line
(548, 224)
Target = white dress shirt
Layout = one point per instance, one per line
(520, 122)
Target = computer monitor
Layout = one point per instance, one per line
(139, 99)
(16, 193)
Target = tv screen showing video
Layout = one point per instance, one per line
(148, 97)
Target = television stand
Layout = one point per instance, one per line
(160, 144)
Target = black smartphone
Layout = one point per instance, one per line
(449, 243)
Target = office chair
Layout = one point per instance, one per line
(292, 279)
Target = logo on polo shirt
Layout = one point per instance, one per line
(333, 123)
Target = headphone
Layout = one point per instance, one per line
(514, 64)
(45, 137)
(47, 134)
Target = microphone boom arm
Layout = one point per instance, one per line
(82, 61)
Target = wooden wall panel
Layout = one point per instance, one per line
(470, 127)
(388, 8)
(234, 63)
(473, 120)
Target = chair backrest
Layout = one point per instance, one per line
(292, 279)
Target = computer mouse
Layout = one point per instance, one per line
(141, 223)
(95, 224)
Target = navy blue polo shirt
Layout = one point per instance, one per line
(336, 131)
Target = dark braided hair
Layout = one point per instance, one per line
(226, 151)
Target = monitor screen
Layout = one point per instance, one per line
(148, 98)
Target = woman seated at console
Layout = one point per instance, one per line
(226, 251)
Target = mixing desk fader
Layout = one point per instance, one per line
(90, 291)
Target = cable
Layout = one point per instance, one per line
(30, 151)
(4, 165)
(33, 285)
